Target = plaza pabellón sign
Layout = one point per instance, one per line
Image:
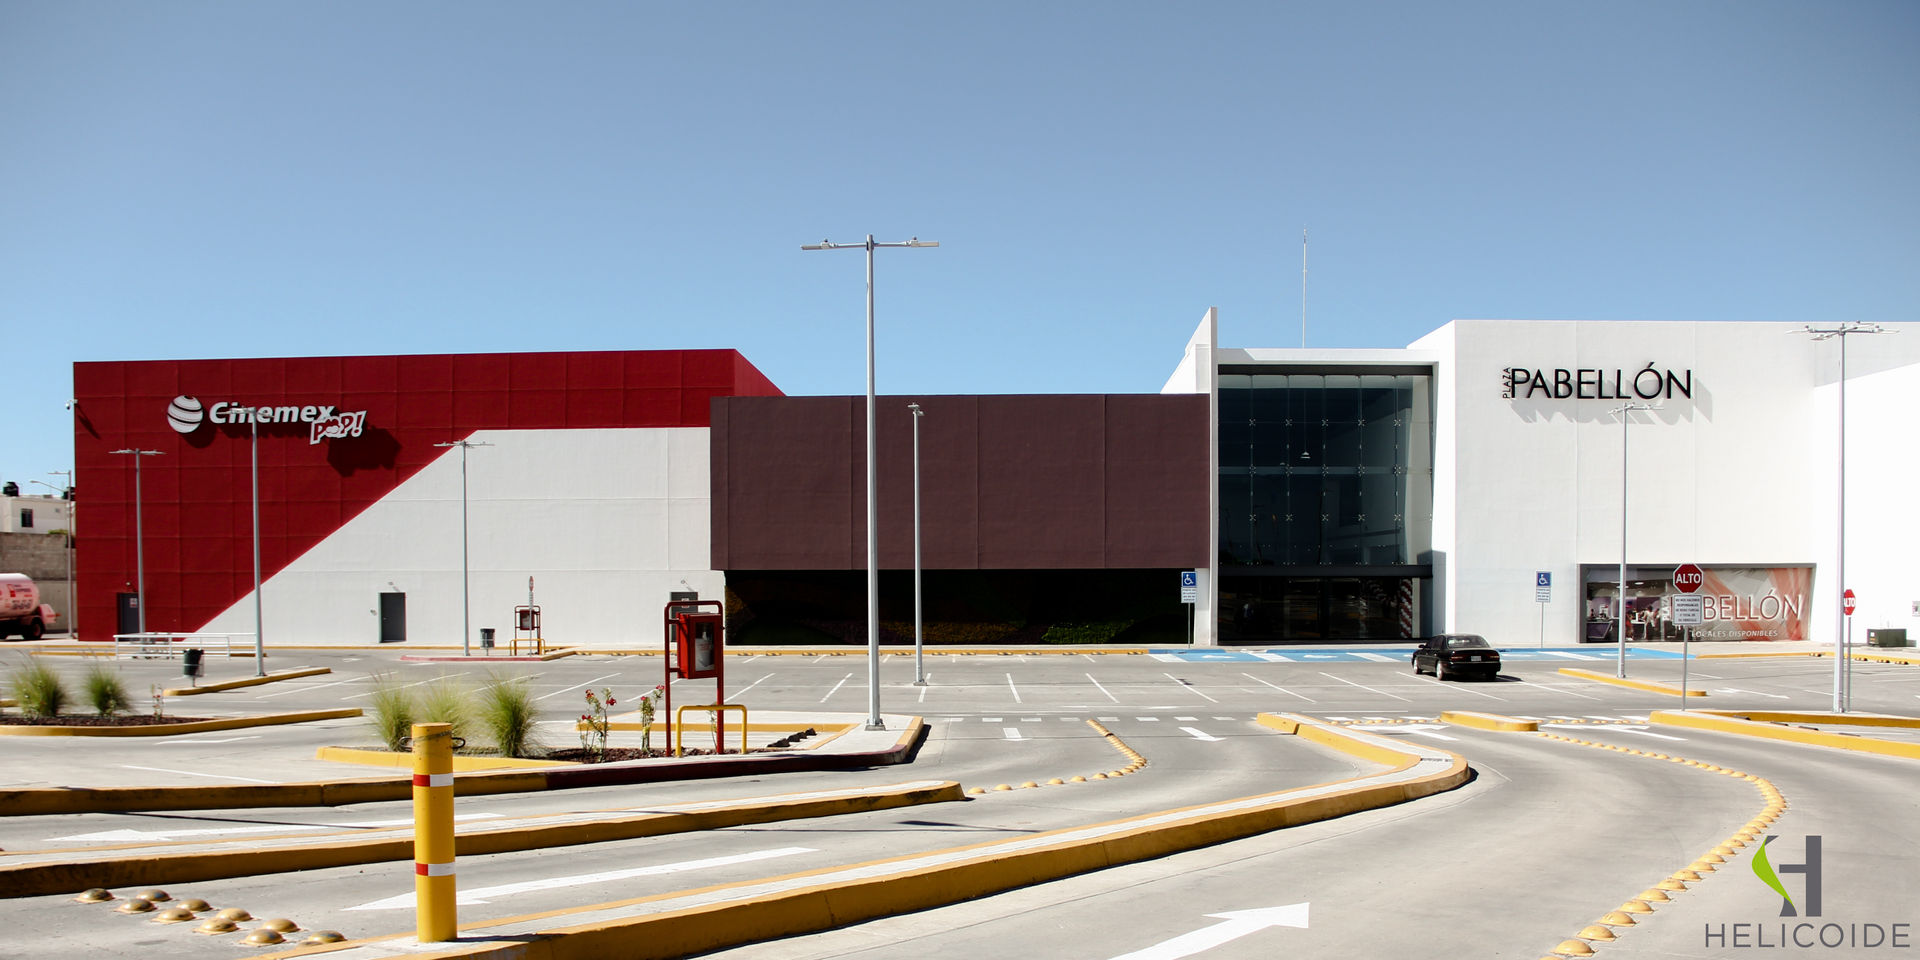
(1595, 383)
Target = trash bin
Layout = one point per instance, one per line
(1887, 637)
(486, 638)
(190, 662)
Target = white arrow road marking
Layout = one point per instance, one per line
(1776, 696)
(140, 836)
(484, 894)
(1012, 733)
(1200, 735)
(1238, 923)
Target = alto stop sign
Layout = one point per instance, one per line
(1846, 602)
(1687, 578)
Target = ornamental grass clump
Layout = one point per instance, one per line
(38, 690)
(391, 712)
(447, 701)
(105, 691)
(506, 715)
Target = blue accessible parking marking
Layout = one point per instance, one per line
(1352, 655)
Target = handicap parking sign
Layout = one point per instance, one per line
(1189, 586)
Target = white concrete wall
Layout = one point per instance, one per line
(1199, 372)
(1741, 474)
(49, 513)
(606, 521)
(1883, 495)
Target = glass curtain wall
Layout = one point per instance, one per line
(1321, 475)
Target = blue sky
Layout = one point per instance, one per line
(214, 179)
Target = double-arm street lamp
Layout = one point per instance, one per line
(873, 543)
(1625, 413)
(1842, 657)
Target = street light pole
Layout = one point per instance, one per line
(873, 542)
(73, 628)
(466, 606)
(259, 624)
(1625, 413)
(919, 669)
(139, 541)
(1842, 657)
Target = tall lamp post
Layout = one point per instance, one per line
(919, 669)
(139, 541)
(466, 608)
(72, 621)
(1625, 413)
(259, 622)
(873, 542)
(1842, 657)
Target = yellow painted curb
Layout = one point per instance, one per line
(1721, 722)
(387, 758)
(1488, 721)
(248, 682)
(51, 878)
(170, 729)
(1650, 686)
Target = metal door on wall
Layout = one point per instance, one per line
(393, 618)
(127, 605)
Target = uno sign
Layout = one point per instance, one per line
(1687, 578)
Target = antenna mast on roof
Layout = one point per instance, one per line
(1303, 288)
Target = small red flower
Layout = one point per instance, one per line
(611, 701)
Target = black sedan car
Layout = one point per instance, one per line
(1454, 655)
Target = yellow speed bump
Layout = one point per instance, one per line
(1597, 933)
(135, 905)
(95, 895)
(1573, 948)
(174, 915)
(1619, 918)
(1635, 906)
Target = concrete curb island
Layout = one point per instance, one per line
(712, 918)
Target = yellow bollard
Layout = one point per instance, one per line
(433, 832)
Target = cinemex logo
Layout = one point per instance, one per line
(186, 414)
(1805, 935)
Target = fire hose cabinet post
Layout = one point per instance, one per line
(701, 643)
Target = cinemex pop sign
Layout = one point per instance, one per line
(186, 414)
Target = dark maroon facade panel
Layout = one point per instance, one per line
(1007, 482)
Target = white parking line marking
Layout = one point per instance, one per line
(577, 686)
(836, 688)
(1016, 690)
(483, 894)
(1096, 683)
(221, 740)
(1375, 657)
(1284, 690)
(1012, 733)
(1200, 735)
(1455, 686)
(369, 693)
(1187, 719)
(756, 683)
(1365, 687)
(299, 689)
(1187, 685)
(1148, 719)
(190, 773)
(989, 719)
